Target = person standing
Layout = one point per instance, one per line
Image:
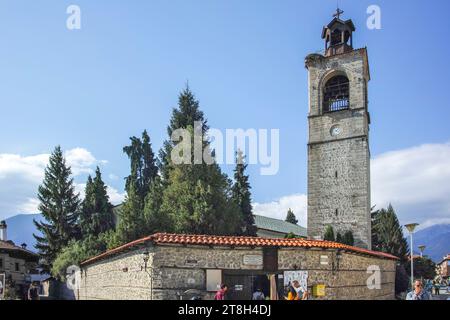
(220, 294)
(418, 293)
(33, 292)
(258, 295)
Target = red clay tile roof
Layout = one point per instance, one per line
(233, 241)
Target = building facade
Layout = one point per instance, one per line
(16, 263)
(443, 267)
(338, 146)
(174, 267)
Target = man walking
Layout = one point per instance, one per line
(418, 293)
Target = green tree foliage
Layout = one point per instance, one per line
(424, 268)
(96, 211)
(78, 251)
(131, 225)
(402, 282)
(291, 235)
(59, 206)
(329, 234)
(156, 219)
(242, 197)
(143, 165)
(290, 217)
(133, 220)
(387, 235)
(186, 114)
(348, 238)
(196, 197)
(339, 238)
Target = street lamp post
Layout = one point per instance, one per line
(422, 249)
(411, 228)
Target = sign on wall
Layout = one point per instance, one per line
(213, 279)
(253, 260)
(300, 276)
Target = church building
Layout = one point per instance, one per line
(181, 267)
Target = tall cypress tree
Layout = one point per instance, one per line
(142, 163)
(290, 217)
(242, 196)
(132, 221)
(96, 211)
(59, 206)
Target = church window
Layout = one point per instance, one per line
(336, 94)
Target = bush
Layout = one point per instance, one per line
(78, 251)
(348, 238)
(329, 234)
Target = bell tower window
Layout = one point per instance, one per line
(336, 95)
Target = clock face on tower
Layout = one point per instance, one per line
(335, 131)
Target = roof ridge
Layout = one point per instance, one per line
(232, 241)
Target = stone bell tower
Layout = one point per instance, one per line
(338, 147)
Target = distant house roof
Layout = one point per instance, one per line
(280, 226)
(235, 241)
(11, 248)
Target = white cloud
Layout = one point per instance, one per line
(415, 180)
(81, 161)
(115, 197)
(279, 208)
(20, 177)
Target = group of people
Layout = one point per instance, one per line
(294, 292)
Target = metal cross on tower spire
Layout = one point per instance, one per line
(338, 13)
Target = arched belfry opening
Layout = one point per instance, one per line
(336, 94)
(338, 35)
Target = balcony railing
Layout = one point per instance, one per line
(336, 105)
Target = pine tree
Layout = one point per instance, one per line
(290, 217)
(59, 206)
(242, 196)
(186, 114)
(387, 233)
(96, 213)
(196, 197)
(329, 234)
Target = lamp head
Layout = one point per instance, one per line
(411, 227)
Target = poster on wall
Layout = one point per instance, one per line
(300, 276)
(2, 286)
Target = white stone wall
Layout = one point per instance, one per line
(176, 269)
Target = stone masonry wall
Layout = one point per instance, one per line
(176, 269)
(339, 166)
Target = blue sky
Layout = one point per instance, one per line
(121, 73)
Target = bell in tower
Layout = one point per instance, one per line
(338, 35)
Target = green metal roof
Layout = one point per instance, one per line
(280, 226)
